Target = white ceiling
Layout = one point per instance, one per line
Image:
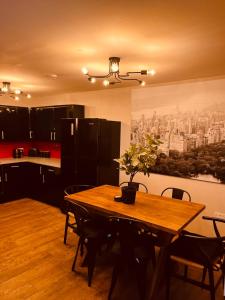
(179, 39)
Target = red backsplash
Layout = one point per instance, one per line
(6, 148)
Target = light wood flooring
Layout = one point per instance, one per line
(36, 265)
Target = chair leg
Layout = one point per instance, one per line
(115, 274)
(204, 274)
(141, 279)
(91, 257)
(66, 229)
(211, 283)
(185, 271)
(75, 258)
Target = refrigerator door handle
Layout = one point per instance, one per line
(72, 128)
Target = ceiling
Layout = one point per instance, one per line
(179, 39)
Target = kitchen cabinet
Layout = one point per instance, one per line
(14, 181)
(14, 123)
(40, 182)
(45, 122)
(45, 183)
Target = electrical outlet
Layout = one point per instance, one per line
(219, 214)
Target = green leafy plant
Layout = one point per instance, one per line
(139, 157)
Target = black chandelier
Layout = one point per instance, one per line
(114, 75)
(6, 90)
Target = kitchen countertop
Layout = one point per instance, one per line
(52, 162)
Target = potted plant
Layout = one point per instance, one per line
(139, 158)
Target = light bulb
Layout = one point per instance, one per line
(28, 96)
(92, 80)
(4, 89)
(142, 83)
(151, 72)
(105, 82)
(17, 98)
(84, 70)
(17, 92)
(114, 67)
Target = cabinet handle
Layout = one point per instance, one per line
(51, 170)
(16, 166)
(3, 135)
(54, 136)
(6, 177)
(30, 134)
(72, 128)
(0, 178)
(40, 170)
(43, 178)
(76, 124)
(51, 136)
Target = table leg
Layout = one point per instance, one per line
(159, 273)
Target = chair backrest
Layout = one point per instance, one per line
(215, 220)
(200, 249)
(138, 185)
(131, 233)
(75, 188)
(79, 212)
(176, 193)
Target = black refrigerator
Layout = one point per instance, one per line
(88, 149)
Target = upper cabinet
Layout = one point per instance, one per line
(14, 123)
(45, 122)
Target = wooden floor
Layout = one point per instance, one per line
(36, 265)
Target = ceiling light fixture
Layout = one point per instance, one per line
(114, 75)
(6, 90)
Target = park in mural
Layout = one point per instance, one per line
(192, 135)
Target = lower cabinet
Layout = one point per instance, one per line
(14, 181)
(31, 180)
(50, 187)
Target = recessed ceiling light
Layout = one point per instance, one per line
(54, 76)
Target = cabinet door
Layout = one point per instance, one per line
(14, 123)
(67, 111)
(14, 181)
(22, 121)
(42, 119)
(52, 191)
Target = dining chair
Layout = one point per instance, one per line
(91, 236)
(138, 185)
(176, 193)
(70, 221)
(197, 251)
(136, 249)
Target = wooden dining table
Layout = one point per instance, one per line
(167, 217)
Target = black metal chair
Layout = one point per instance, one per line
(205, 253)
(138, 185)
(90, 235)
(135, 251)
(176, 193)
(70, 221)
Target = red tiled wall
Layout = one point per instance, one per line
(6, 148)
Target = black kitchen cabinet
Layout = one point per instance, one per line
(14, 123)
(14, 181)
(45, 121)
(51, 190)
(45, 184)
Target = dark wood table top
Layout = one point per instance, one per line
(159, 212)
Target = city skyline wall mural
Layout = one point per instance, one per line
(189, 119)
